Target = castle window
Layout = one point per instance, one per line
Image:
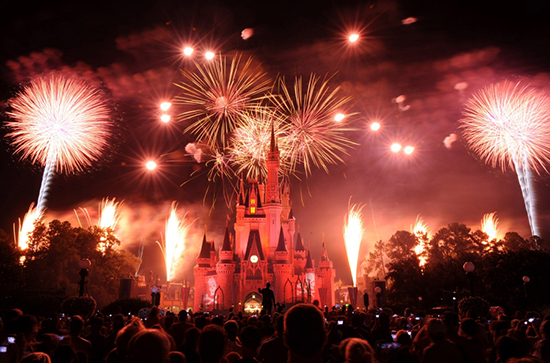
(252, 201)
(252, 210)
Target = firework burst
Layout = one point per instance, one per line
(508, 126)
(174, 241)
(489, 224)
(420, 231)
(315, 137)
(353, 234)
(60, 122)
(251, 142)
(217, 94)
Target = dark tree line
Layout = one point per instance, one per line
(500, 266)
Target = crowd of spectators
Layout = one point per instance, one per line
(304, 333)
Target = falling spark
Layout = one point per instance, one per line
(375, 126)
(408, 150)
(151, 165)
(165, 106)
(217, 95)
(26, 227)
(187, 51)
(508, 126)
(395, 147)
(420, 231)
(174, 241)
(60, 122)
(353, 37)
(315, 139)
(489, 224)
(209, 55)
(339, 117)
(353, 234)
(165, 118)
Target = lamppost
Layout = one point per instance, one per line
(525, 280)
(84, 265)
(378, 291)
(469, 268)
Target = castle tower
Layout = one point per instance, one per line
(225, 270)
(325, 279)
(272, 207)
(299, 260)
(310, 280)
(200, 271)
(282, 270)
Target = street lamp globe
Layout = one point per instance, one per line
(525, 279)
(377, 290)
(85, 264)
(468, 267)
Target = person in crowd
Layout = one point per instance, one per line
(274, 349)
(80, 344)
(117, 323)
(232, 329)
(97, 339)
(304, 334)
(441, 349)
(180, 327)
(250, 342)
(507, 348)
(149, 346)
(542, 347)
(118, 355)
(37, 357)
(212, 343)
(191, 345)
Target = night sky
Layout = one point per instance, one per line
(134, 49)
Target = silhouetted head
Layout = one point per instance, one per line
(304, 333)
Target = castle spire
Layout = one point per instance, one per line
(274, 148)
(324, 255)
(281, 247)
(205, 248)
(309, 262)
(226, 246)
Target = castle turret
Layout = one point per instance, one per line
(282, 270)
(200, 271)
(325, 279)
(299, 260)
(225, 270)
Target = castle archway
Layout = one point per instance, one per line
(253, 303)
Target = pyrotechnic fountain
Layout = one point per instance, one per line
(173, 243)
(353, 234)
(109, 214)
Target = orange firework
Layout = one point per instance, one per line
(109, 214)
(25, 229)
(489, 224)
(420, 230)
(353, 234)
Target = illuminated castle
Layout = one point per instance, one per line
(266, 248)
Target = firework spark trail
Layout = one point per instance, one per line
(218, 94)
(60, 122)
(316, 139)
(353, 234)
(489, 224)
(508, 126)
(420, 230)
(174, 242)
